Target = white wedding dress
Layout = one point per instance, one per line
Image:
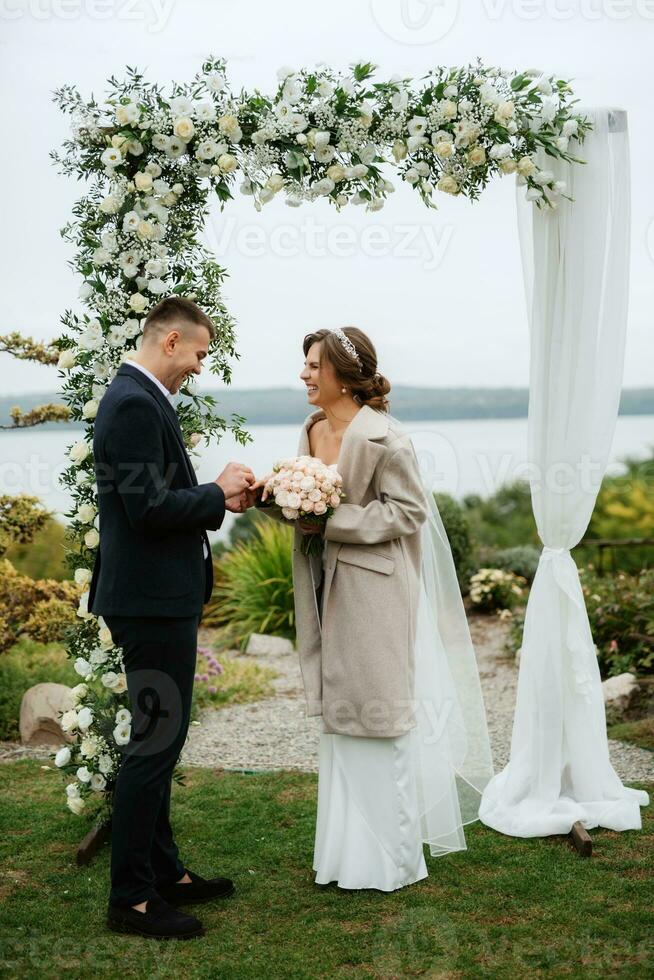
(368, 826)
(380, 799)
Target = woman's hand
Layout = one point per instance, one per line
(309, 528)
(252, 489)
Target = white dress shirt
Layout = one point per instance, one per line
(162, 388)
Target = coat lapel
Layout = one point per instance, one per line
(360, 450)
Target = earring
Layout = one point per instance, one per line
(344, 390)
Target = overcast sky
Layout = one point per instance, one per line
(440, 292)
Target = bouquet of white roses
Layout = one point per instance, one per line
(306, 489)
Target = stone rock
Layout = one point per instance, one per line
(619, 692)
(261, 644)
(40, 711)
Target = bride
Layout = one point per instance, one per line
(384, 645)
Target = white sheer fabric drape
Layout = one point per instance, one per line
(576, 262)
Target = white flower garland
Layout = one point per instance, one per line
(154, 158)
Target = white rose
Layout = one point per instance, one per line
(227, 163)
(228, 126)
(324, 186)
(184, 128)
(290, 513)
(126, 114)
(78, 452)
(84, 719)
(320, 507)
(359, 170)
(62, 757)
(138, 302)
(90, 409)
(79, 692)
(92, 538)
(66, 359)
(444, 149)
(476, 156)
(110, 204)
(68, 721)
(448, 184)
(399, 151)
(123, 716)
(526, 167)
(412, 176)
(448, 109)
(570, 127)
(508, 166)
(504, 112)
(85, 513)
(83, 774)
(143, 181)
(336, 172)
(98, 782)
(76, 804)
(82, 666)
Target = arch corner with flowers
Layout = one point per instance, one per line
(153, 159)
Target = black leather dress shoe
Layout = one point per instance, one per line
(197, 890)
(159, 921)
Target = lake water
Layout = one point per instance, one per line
(460, 457)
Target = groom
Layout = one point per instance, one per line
(152, 575)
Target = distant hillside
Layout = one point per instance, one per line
(279, 406)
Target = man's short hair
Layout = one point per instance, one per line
(172, 308)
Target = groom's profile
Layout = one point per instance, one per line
(152, 575)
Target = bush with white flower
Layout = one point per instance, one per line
(153, 159)
(493, 589)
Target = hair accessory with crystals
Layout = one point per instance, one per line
(348, 345)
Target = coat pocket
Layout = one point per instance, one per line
(355, 554)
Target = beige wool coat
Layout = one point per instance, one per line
(358, 664)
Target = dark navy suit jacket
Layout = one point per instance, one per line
(153, 515)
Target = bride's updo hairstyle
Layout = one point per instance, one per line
(360, 376)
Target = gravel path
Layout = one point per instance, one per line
(275, 734)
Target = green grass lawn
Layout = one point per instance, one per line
(504, 908)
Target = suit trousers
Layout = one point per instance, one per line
(159, 654)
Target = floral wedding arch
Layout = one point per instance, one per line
(155, 158)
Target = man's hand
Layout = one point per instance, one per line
(238, 505)
(234, 479)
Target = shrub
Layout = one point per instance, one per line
(505, 519)
(521, 560)
(44, 556)
(253, 591)
(621, 616)
(493, 589)
(44, 606)
(458, 533)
